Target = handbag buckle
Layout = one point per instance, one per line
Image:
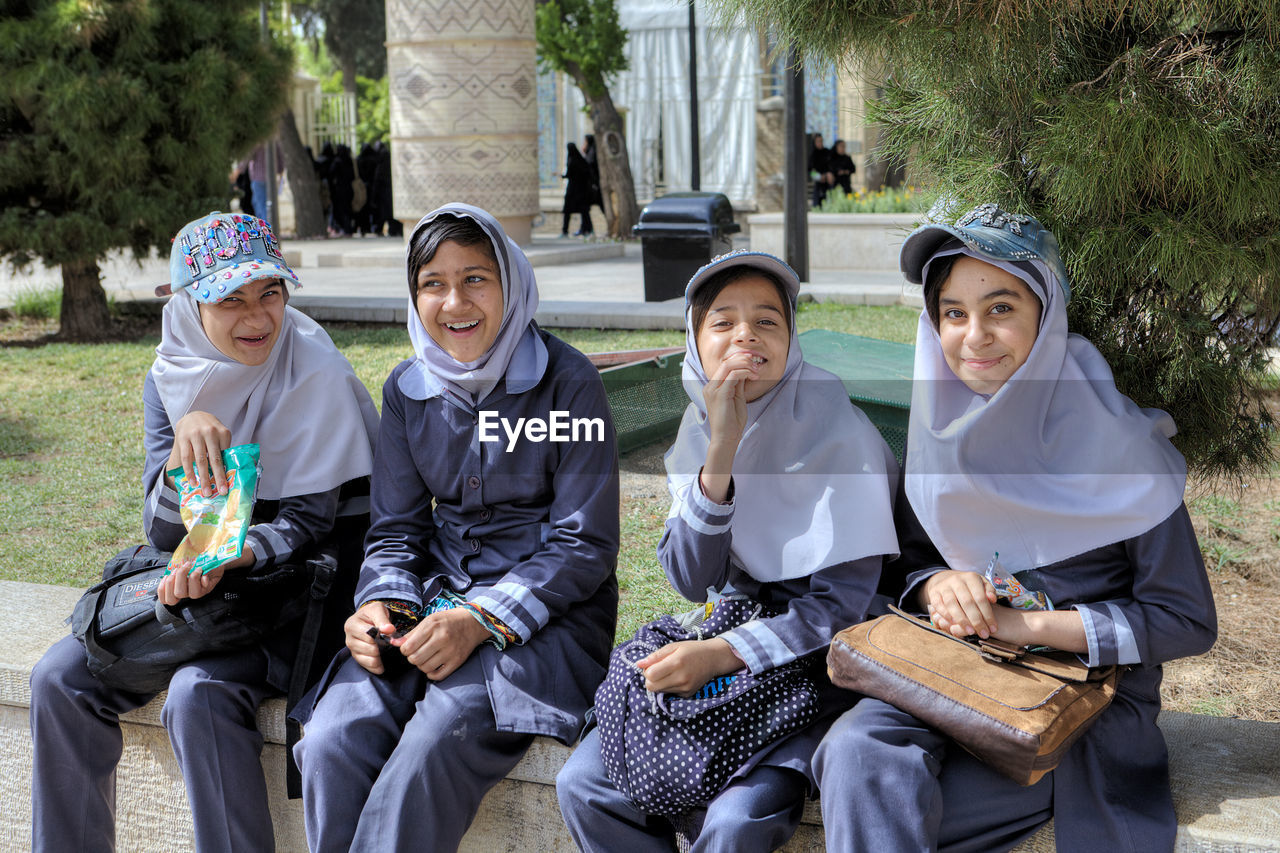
(999, 650)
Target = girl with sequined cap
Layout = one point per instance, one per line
(487, 600)
(1021, 446)
(781, 491)
(235, 365)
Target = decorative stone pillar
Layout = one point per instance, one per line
(464, 115)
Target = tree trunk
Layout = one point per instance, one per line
(307, 207)
(85, 316)
(347, 64)
(616, 184)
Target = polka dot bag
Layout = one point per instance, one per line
(670, 754)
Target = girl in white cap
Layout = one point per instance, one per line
(781, 491)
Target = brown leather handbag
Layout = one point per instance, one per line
(1016, 710)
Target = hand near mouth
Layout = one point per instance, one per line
(726, 397)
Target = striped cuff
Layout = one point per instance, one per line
(392, 586)
(515, 604)
(704, 515)
(267, 544)
(758, 646)
(165, 505)
(1110, 637)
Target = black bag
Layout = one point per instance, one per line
(135, 643)
(669, 754)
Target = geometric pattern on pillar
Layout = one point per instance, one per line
(464, 120)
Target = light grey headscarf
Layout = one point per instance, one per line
(517, 353)
(1056, 463)
(813, 479)
(313, 419)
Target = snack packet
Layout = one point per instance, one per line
(216, 526)
(1011, 589)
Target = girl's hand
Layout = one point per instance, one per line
(683, 668)
(726, 397)
(181, 583)
(961, 603)
(364, 649)
(198, 441)
(442, 642)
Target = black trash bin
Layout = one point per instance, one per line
(679, 233)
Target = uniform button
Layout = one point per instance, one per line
(473, 482)
(475, 544)
(485, 515)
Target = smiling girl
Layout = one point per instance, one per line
(235, 365)
(499, 560)
(781, 491)
(1019, 443)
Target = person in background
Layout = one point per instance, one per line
(255, 165)
(841, 166)
(577, 192)
(339, 175)
(592, 157)
(820, 169)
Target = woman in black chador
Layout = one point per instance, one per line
(841, 167)
(577, 192)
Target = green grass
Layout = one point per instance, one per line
(71, 447)
(38, 303)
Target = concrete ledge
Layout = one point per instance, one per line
(841, 241)
(1226, 783)
(365, 253)
(563, 314)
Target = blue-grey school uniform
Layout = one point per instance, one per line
(891, 783)
(527, 531)
(762, 805)
(75, 718)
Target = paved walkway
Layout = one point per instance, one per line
(595, 285)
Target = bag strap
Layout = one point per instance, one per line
(323, 568)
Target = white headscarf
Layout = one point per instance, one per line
(517, 353)
(1056, 463)
(313, 419)
(812, 476)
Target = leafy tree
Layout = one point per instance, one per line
(582, 38)
(118, 123)
(354, 31)
(1145, 134)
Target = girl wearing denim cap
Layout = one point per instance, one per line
(502, 549)
(781, 491)
(1019, 443)
(235, 365)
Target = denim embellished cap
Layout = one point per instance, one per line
(220, 253)
(746, 258)
(989, 231)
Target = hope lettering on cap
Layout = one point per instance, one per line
(221, 240)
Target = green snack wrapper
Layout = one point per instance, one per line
(216, 526)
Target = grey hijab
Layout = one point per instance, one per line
(517, 355)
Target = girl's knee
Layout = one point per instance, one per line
(577, 778)
(61, 674)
